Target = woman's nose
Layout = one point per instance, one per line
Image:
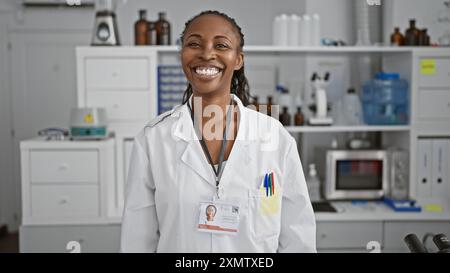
(208, 53)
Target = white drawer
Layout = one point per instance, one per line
(434, 104)
(117, 73)
(54, 238)
(340, 235)
(122, 106)
(64, 166)
(66, 201)
(395, 232)
(441, 75)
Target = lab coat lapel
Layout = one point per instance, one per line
(240, 156)
(193, 155)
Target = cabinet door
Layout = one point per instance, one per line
(395, 232)
(54, 239)
(43, 84)
(348, 235)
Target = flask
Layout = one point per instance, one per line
(313, 184)
(285, 118)
(397, 38)
(299, 118)
(141, 29)
(162, 30)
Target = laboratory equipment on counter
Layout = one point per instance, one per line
(350, 174)
(320, 107)
(417, 246)
(88, 123)
(105, 26)
(385, 100)
(54, 133)
(398, 175)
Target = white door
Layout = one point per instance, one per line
(43, 71)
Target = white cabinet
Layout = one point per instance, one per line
(67, 181)
(54, 239)
(352, 235)
(435, 72)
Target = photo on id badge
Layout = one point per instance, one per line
(218, 217)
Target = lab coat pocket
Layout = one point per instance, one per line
(264, 214)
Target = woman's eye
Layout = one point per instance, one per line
(222, 46)
(193, 44)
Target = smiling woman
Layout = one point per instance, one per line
(180, 195)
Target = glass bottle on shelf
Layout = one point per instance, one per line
(397, 38)
(313, 184)
(141, 29)
(152, 33)
(299, 118)
(162, 30)
(269, 105)
(424, 38)
(255, 103)
(285, 118)
(412, 34)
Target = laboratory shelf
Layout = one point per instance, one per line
(362, 128)
(302, 49)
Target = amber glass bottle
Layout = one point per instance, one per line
(412, 34)
(397, 39)
(162, 30)
(285, 118)
(299, 118)
(141, 29)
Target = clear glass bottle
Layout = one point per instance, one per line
(313, 184)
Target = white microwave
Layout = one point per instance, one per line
(354, 174)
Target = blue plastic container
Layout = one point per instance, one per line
(385, 100)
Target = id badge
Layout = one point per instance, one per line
(219, 217)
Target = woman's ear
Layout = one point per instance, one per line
(239, 61)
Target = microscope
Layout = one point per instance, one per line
(320, 108)
(416, 246)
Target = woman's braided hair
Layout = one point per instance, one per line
(239, 83)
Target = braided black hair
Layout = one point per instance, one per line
(239, 83)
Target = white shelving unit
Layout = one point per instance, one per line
(374, 222)
(336, 129)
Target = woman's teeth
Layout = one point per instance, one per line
(207, 71)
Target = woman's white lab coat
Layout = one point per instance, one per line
(169, 175)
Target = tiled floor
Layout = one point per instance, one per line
(9, 243)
